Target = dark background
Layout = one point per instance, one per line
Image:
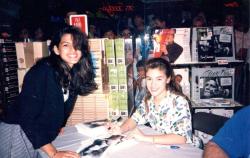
(50, 13)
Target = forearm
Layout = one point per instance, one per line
(165, 139)
(212, 150)
(49, 149)
(128, 125)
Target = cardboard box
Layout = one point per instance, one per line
(29, 52)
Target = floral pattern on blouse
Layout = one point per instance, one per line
(172, 116)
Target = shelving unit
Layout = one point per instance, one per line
(226, 108)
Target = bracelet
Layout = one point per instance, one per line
(54, 154)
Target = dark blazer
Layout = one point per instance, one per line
(174, 51)
(40, 109)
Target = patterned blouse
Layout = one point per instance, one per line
(171, 117)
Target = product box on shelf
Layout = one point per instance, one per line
(110, 51)
(120, 51)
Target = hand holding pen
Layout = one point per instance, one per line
(113, 127)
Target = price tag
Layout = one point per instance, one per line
(222, 62)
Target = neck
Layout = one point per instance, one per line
(158, 99)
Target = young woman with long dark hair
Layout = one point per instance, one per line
(47, 98)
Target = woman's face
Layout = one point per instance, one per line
(156, 82)
(67, 51)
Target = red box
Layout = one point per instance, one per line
(79, 21)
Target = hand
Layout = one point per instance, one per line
(68, 154)
(61, 131)
(137, 134)
(113, 128)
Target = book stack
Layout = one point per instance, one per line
(112, 77)
(122, 75)
(97, 51)
(117, 71)
(89, 108)
(8, 72)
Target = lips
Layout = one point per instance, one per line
(72, 55)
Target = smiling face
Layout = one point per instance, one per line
(66, 50)
(156, 82)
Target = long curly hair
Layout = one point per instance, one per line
(164, 65)
(79, 78)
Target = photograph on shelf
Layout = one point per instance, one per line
(224, 43)
(202, 44)
(212, 83)
(212, 44)
(182, 79)
(172, 44)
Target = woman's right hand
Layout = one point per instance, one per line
(113, 128)
(64, 154)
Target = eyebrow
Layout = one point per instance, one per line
(65, 42)
(156, 76)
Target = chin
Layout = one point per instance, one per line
(154, 94)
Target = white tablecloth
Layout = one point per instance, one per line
(74, 140)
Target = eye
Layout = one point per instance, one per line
(65, 45)
(159, 79)
(148, 79)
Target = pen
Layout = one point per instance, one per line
(174, 147)
(169, 146)
(119, 119)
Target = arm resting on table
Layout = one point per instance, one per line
(212, 150)
(159, 139)
(128, 125)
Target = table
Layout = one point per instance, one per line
(75, 140)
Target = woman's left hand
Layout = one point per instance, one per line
(61, 131)
(137, 134)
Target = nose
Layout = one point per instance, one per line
(153, 83)
(73, 50)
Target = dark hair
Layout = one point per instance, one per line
(178, 75)
(162, 64)
(160, 18)
(140, 63)
(80, 78)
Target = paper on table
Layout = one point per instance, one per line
(97, 132)
(117, 147)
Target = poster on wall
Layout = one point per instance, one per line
(172, 44)
(79, 21)
(210, 83)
